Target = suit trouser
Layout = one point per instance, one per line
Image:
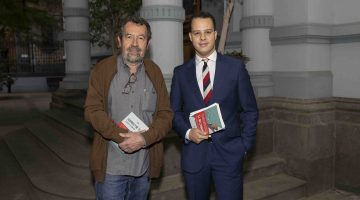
(227, 179)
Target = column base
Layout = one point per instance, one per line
(75, 81)
(263, 84)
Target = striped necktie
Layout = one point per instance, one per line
(206, 82)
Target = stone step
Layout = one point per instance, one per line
(75, 105)
(334, 194)
(65, 121)
(76, 102)
(13, 182)
(254, 168)
(47, 173)
(71, 101)
(71, 121)
(81, 138)
(168, 187)
(62, 145)
(277, 187)
(263, 166)
(260, 168)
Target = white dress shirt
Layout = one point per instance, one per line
(199, 67)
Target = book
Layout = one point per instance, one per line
(133, 123)
(208, 119)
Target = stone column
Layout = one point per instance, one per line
(255, 25)
(166, 19)
(77, 44)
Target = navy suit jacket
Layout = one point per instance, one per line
(234, 93)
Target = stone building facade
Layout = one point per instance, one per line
(304, 65)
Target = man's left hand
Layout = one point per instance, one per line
(132, 142)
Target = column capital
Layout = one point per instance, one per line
(257, 21)
(163, 13)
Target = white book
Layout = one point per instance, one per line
(133, 123)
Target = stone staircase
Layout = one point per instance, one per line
(48, 159)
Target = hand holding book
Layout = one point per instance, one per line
(133, 140)
(208, 119)
(197, 136)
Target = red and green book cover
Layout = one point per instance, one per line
(208, 119)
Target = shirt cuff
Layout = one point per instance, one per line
(187, 139)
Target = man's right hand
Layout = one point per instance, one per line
(196, 135)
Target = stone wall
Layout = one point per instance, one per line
(319, 139)
(347, 160)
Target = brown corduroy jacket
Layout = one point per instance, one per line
(104, 127)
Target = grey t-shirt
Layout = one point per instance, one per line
(141, 100)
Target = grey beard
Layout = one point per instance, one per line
(132, 59)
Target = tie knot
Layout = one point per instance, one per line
(205, 60)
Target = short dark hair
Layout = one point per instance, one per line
(136, 19)
(203, 15)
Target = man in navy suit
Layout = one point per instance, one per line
(208, 78)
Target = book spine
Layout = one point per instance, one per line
(122, 125)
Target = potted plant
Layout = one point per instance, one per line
(239, 54)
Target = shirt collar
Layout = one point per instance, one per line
(211, 57)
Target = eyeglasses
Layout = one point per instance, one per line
(128, 85)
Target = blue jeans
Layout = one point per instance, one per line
(117, 187)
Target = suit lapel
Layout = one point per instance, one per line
(220, 76)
